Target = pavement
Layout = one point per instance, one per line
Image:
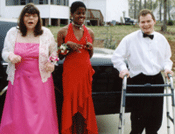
(108, 124)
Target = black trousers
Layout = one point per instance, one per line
(146, 112)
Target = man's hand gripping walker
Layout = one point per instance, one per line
(168, 87)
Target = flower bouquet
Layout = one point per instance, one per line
(63, 50)
(53, 59)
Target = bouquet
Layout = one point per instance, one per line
(53, 59)
(63, 50)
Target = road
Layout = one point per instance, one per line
(108, 124)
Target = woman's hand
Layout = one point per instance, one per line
(88, 46)
(74, 46)
(14, 58)
(49, 67)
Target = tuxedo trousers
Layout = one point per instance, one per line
(146, 112)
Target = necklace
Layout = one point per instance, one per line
(79, 26)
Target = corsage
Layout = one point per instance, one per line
(53, 59)
(63, 49)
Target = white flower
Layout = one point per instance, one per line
(63, 49)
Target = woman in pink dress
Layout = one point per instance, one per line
(30, 51)
(78, 115)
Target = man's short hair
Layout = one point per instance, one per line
(144, 12)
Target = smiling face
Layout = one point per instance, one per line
(79, 15)
(147, 23)
(30, 21)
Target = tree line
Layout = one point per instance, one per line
(163, 6)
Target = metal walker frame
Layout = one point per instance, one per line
(168, 84)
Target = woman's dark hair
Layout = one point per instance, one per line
(76, 5)
(31, 9)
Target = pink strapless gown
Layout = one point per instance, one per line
(30, 106)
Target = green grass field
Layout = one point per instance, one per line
(116, 33)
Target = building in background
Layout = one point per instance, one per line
(53, 12)
(172, 12)
(112, 10)
(56, 12)
(170, 15)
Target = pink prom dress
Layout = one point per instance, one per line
(30, 106)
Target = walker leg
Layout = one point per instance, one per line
(167, 110)
(173, 108)
(122, 107)
(122, 117)
(120, 121)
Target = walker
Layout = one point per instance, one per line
(168, 84)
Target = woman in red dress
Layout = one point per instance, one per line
(78, 115)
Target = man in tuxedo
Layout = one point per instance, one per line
(147, 53)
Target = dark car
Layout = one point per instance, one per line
(106, 85)
(4, 27)
(128, 21)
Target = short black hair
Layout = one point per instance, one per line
(76, 5)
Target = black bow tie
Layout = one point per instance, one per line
(147, 35)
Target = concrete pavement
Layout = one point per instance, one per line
(108, 124)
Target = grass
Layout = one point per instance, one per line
(118, 32)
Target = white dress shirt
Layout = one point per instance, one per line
(143, 55)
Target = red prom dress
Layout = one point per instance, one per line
(30, 104)
(77, 86)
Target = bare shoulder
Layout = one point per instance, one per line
(61, 35)
(91, 33)
(63, 30)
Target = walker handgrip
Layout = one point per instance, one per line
(126, 76)
(169, 75)
(171, 80)
(124, 82)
